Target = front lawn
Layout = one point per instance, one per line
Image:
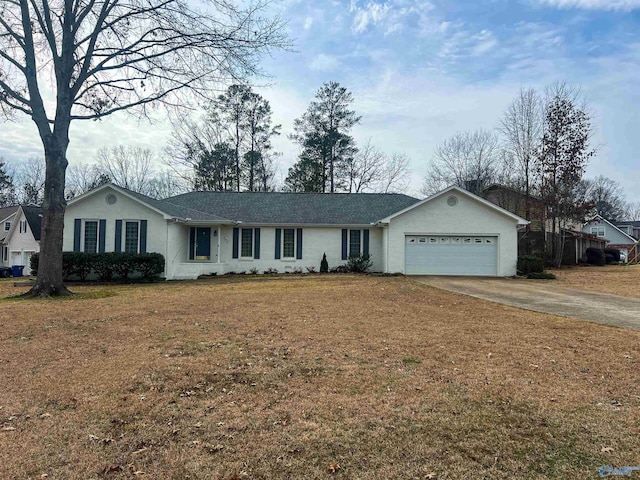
(312, 377)
(621, 280)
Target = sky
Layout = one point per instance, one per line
(420, 71)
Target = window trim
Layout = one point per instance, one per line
(5, 253)
(124, 235)
(241, 243)
(295, 244)
(595, 231)
(7, 226)
(350, 252)
(83, 236)
(22, 226)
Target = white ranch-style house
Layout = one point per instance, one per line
(451, 233)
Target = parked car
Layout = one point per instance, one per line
(5, 272)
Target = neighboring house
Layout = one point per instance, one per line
(576, 244)
(23, 238)
(603, 228)
(453, 232)
(532, 238)
(6, 218)
(630, 228)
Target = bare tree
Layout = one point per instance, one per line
(167, 184)
(28, 178)
(372, 170)
(128, 167)
(632, 211)
(365, 170)
(98, 57)
(607, 197)
(82, 177)
(521, 127)
(395, 174)
(468, 159)
(194, 141)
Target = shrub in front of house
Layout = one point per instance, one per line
(595, 256)
(530, 264)
(324, 265)
(106, 266)
(615, 254)
(359, 263)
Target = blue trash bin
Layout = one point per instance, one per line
(16, 270)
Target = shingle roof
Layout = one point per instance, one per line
(174, 210)
(634, 223)
(294, 208)
(4, 213)
(33, 214)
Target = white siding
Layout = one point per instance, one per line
(95, 207)
(21, 245)
(468, 217)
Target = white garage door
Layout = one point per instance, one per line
(451, 255)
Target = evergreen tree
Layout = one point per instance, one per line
(323, 133)
(215, 170)
(7, 191)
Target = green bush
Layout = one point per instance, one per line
(595, 256)
(530, 264)
(324, 265)
(149, 265)
(104, 266)
(359, 263)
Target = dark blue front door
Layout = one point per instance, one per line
(200, 243)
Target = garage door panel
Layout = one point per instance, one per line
(449, 255)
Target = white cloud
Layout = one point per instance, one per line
(625, 5)
(371, 14)
(324, 63)
(393, 16)
(308, 23)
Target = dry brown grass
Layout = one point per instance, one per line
(318, 377)
(621, 280)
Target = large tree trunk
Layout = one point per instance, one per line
(49, 280)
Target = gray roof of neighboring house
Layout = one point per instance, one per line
(33, 214)
(6, 212)
(634, 223)
(294, 208)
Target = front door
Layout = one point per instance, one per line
(200, 243)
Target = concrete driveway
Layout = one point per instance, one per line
(545, 296)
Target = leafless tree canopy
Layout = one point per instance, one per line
(521, 127)
(468, 160)
(110, 55)
(632, 211)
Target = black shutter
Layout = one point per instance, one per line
(143, 236)
(77, 229)
(278, 242)
(365, 242)
(236, 240)
(299, 244)
(101, 235)
(118, 242)
(256, 243)
(344, 244)
(192, 243)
